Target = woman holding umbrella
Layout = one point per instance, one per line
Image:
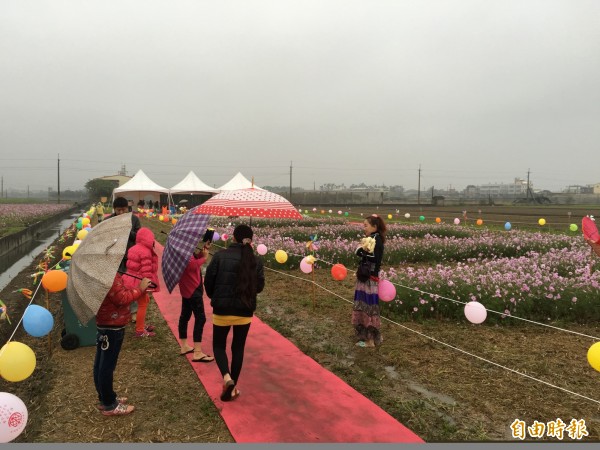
(232, 280)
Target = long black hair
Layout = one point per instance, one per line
(378, 223)
(247, 279)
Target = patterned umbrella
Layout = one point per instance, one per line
(181, 242)
(95, 264)
(250, 202)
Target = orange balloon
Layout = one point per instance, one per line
(438, 220)
(54, 280)
(479, 222)
(339, 272)
(173, 221)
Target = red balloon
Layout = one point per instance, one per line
(339, 272)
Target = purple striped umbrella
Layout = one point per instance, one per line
(181, 242)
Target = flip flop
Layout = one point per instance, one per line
(227, 390)
(204, 359)
(185, 353)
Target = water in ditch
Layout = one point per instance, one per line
(18, 259)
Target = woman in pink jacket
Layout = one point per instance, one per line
(142, 262)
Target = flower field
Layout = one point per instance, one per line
(437, 268)
(18, 215)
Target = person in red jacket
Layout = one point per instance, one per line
(142, 262)
(190, 286)
(111, 319)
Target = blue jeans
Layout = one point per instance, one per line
(108, 347)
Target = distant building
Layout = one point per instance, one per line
(515, 189)
(596, 188)
(121, 177)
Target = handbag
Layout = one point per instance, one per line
(363, 273)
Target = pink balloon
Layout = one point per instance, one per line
(224, 237)
(261, 249)
(456, 221)
(305, 266)
(475, 312)
(387, 291)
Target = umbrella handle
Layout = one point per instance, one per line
(152, 285)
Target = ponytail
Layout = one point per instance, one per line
(247, 279)
(379, 224)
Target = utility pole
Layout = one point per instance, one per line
(290, 181)
(2, 190)
(58, 200)
(419, 188)
(27, 191)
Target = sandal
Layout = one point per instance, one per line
(235, 394)
(228, 388)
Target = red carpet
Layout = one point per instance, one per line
(286, 396)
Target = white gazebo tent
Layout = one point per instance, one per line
(239, 181)
(139, 187)
(191, 184)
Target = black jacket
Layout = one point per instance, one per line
(375, 257)
(220, 282)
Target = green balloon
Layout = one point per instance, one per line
(421, 218)
(346, 213)
(573, 227)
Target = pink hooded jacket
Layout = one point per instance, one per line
(142, 260)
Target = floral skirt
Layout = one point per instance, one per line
(365, 311)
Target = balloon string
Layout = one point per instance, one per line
(449, 345)
(20, 320)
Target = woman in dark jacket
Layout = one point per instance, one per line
(365, 311)
(232, 280)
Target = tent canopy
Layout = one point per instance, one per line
(191, 184)
(139, 186)
(239, 181)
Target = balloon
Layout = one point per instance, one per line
(314, 209)
(161, 217)
(77, 242)
(84, 215)
(261, 249)
(216, 236)
(224, 236)
(339, 272)
(475, 312)
(68, 252)
(542, 222)
(305, 266)
(79, 225)
(322, 211)
(281, 256)
(407, 215)
(17, 361)
(14, 417)
(573, 227)
(507, 226)
(438, 220)
(593, 356)
(421, 218)
(339, 212)
(479, 222)
(79, 219)
(387, 291)
(37, 321)
(81, 234)
(389, 216)
(167, 218)
(306, 211)
(54, 280)
(346, 214)
(330, 211)
(173, 220)
(85, 221)
(456, 221)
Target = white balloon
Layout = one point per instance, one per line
(13, 417)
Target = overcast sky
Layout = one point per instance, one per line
(348, 91)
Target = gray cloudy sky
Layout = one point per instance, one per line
(350, 91)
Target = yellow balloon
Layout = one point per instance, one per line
(17, 361)
(68, 252)
(85, 221)
(81, 234)
(281, 256)
(593, 356)
(542, 222)
(161, 217)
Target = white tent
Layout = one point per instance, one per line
(191, 184)
(238, 182)
(140, 187)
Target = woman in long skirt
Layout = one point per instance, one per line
(365, 311)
